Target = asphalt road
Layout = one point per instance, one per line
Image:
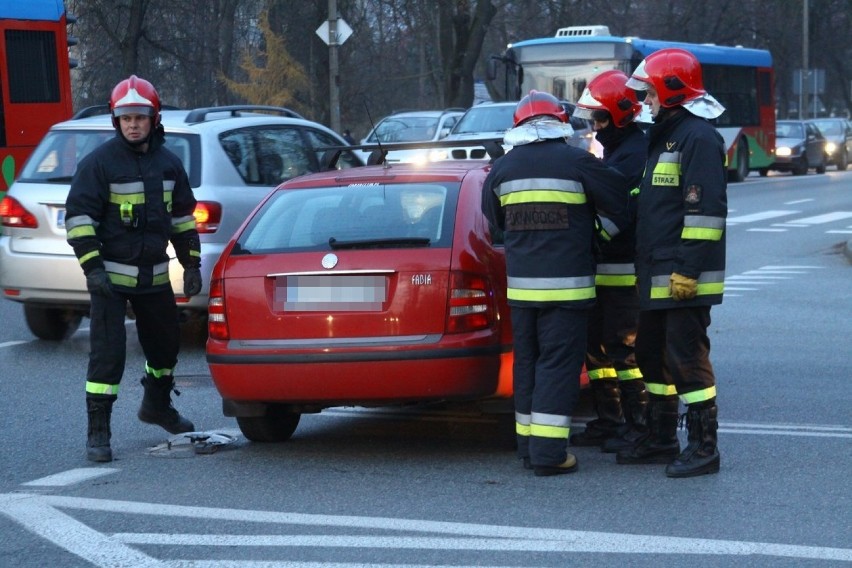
(440, 486)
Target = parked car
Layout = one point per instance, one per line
(411, 126)
(371, 286)
(838, 135)
(799, 145)
(491, 120)
(234, 157)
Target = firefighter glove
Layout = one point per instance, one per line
(191, 281)
(98, 283)
(682, 287)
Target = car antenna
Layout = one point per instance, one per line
(376, 156)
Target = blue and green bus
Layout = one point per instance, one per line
(742, 79)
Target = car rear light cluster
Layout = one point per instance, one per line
(13, 214)
(471, 303)
(208, 215)
(217, 323)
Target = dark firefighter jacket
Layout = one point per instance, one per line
(545, 196)
(626, 150)
(124, 207)
(682, 206)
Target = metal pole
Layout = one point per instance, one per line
(803, 106)
(333, 77)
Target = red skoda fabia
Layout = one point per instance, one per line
(368, 286)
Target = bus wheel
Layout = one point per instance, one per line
(741, 171)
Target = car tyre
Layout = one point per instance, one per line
(820, 169)
(51, 324)
(763, 172)
(277, 425)
(842, 160)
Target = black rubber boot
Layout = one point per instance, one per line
(607, 402)
(634, 405)
(700, 455)
(99, 410)
(157, 406)
(660, 444)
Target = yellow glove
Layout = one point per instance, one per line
(682, 287)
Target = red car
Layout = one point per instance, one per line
(368, 286)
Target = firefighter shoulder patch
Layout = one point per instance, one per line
(693, 195)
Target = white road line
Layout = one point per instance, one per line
(11, 343)
(778, 270)
(34, 512)
(839, 232)
(72, 476)
(761, 216)
(825, 218)
(733, 289)
(797, 201)
(793, 267)
(43, 519)
(767, 230)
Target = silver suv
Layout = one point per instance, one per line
(234, 156)
(411, 126)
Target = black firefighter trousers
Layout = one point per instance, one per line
(549, 349)
(156, 325)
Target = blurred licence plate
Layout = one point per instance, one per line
(321, 293)
(60, 217)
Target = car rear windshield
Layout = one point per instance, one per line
(56, 157)
(354, 216)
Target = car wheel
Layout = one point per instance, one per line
(741, 172)
(820, 169)
(763, 172)
(801, 168)
(277, 426)
(842, 160)
(52, 324)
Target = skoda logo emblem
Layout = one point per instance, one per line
(329, 261)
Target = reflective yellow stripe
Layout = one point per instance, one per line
(522, 429)
(542, 196)
(157, 373)
(160, 279)
(602, 373)
(613, 280)
(527, 295)
(133, 198)
(629, 374)
(101, 388)
(542, 431)
(89, 256)
(660, 389)
(699, 395)
(701, 234)
(81, 231)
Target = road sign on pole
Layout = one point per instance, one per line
(334, 32)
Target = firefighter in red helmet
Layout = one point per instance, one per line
(680, 262)
(618, 392)
(540, 194)
(128, 200)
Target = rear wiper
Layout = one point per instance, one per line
(55, 179)
(380, 243)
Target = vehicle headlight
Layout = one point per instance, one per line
(438, 155)
(830, 147)
(783, 151)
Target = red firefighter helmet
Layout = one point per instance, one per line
(134, 96)
(673, 72)
(608, 92)
(539, 103)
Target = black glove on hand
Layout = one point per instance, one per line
(191, 281)
(98, 283)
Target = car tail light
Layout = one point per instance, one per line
(208, 215)
(13, 214)
(217, 324)
(471, 303)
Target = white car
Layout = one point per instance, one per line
(234, 156)
(410, 127)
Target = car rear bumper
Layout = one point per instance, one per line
(359, 377)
